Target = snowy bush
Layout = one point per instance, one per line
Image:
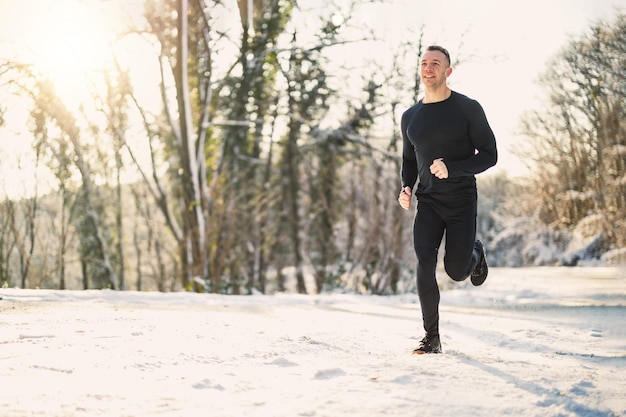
(525, 242)
(587, 229)
(614, 257)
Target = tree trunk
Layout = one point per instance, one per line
(193, 247)
(291, 156)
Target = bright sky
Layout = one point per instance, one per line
(523, 34)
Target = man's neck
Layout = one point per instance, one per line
(435, 96)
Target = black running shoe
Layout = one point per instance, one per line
(429, 344)
(480, 272)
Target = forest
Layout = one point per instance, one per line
(248, 167)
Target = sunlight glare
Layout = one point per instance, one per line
(69, 42)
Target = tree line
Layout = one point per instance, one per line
(574, 199)
(257, 172)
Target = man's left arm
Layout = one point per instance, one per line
(483, 141)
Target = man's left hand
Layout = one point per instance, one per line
(439, 169)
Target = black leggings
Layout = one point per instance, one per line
(458, 220)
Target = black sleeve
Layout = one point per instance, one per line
(483, 140)
(409, 161)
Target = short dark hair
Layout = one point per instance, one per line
(440, 49)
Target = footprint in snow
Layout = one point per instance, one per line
(208, 384)
(403, 379)
(581, 388)
(282, 362)
(329, 373)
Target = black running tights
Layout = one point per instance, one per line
(432, 219)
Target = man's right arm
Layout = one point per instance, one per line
(409, 161)
(409, 164)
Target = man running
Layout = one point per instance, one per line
(446, 141)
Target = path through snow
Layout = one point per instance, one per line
(530, 342)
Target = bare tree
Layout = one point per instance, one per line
(92, 224)
(578, 140)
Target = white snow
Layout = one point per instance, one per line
(530, 342)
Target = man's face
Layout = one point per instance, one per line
(434, 69)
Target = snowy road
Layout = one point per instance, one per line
(530, 342)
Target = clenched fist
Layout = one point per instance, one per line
(439, 169)
(405, 198)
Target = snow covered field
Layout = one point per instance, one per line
(530, 342)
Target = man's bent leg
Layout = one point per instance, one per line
(461, 257)
(427, 233)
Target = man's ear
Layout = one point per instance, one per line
(448, 71)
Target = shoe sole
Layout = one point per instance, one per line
(419, 352)
(478, 281)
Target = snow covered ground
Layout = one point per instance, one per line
(530, 342)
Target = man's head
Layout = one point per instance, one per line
(435, 67)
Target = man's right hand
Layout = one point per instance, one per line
(405, 198)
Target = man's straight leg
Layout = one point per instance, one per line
(428, 230)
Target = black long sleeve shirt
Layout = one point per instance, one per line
(455, 129)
